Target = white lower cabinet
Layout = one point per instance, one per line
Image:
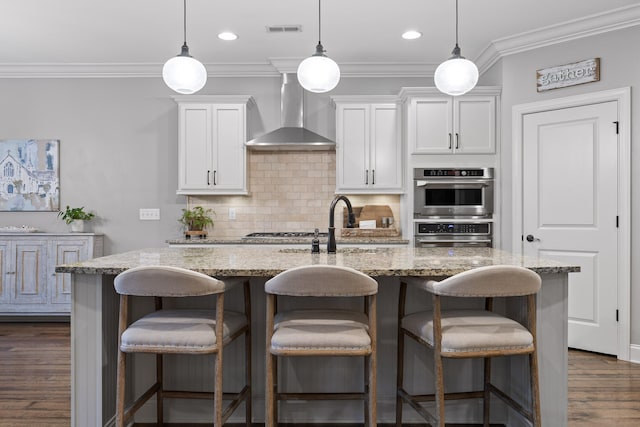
(28, 282)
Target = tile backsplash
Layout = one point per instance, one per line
(288, 191)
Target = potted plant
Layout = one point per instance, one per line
(75, 217)
(196, 220)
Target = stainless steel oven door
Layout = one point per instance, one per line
(453, 198)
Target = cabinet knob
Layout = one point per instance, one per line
(450, 142)
(366, 176)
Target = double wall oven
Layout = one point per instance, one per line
(453, 207)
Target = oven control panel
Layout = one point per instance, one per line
(453, 228)
(454, 173)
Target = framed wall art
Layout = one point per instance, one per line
(29, 175)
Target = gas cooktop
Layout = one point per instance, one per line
(283, 235)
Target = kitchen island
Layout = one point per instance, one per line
(94, 329)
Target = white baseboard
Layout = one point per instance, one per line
(634, 353)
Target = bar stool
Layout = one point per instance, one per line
(321, 331)
(180, 331)
(471, 334)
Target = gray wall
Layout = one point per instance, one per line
(118, 149)
(619, 68)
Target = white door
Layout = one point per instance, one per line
(570, 169)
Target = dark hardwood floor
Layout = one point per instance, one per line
(35, 389)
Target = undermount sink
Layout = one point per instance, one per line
(339, 250)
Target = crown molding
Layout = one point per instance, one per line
(104, 70)
(273, 69)
(612, 20)
(363, 69)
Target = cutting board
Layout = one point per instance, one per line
(376, 212)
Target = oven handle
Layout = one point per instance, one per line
(455, 241)
(477, 182)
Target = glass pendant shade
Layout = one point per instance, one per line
(318, 73)
(456, 76)
(184, 74)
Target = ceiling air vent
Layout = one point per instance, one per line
(284, 28)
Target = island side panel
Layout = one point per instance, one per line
(553, 355)
(92, 361)
(552, 327)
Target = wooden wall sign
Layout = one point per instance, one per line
(586, 71)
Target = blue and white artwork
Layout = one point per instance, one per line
(29, 175)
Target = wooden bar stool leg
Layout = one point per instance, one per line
(400, 353)
(535, 388)
(399, 378)
(371, 399)
(487, 392)
(247, 347)
(120, 388)
(366, 401)
(159, 396)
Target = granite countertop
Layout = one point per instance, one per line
(267, 261)
(289, 241)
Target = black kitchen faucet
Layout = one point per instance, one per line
(331, 242)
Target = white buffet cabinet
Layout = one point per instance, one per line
(29, 284)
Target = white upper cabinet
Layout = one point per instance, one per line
(368, 145)
(211, 144)
(439, 124)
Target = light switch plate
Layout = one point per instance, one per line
(232, 213)
(150, 214)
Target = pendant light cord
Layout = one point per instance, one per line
(456, 23)
(320, 22)
(184, 15)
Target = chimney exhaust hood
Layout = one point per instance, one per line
(291, 135)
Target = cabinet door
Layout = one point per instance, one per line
(386, 148)
(64, 252)
(353, 129)
(229, 151)
(431, 125)
(194, 144)
(475, 124)
(6, 275)
(30, 273)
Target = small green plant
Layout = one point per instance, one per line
(196, 219)
(75, 214)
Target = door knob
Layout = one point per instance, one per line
(530, 238)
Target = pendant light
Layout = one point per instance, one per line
(457, 75)
(318, 73)
(183, 73)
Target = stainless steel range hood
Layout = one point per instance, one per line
(291, 135)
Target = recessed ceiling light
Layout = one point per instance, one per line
(228, 36)
(411, 35)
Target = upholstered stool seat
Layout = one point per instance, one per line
(470, 333)
(188, 331)
(321, 331)
(179, 331)
(471, 330)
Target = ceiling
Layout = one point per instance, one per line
(137, 36)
